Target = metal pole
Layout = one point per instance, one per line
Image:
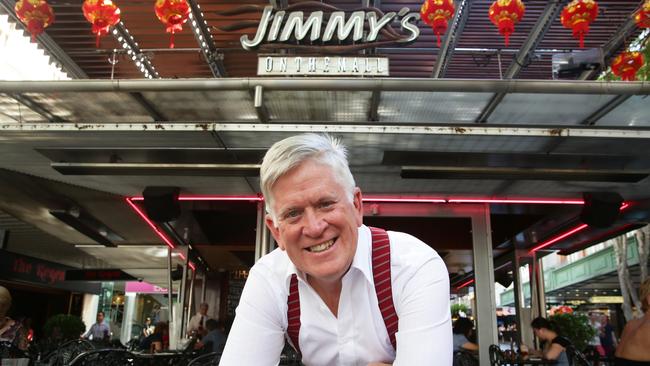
(259, 232)
(182, 291)
(203, 286)
(190, 301)
(484, 282)
(333, 84)
(169, 286)
(519, 299)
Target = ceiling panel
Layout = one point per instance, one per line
(431, 107)
(634, 112)
(527, 109)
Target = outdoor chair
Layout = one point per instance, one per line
(496, 355)
(208, 359)
(464, 358)
(66, 352)
(105, 357)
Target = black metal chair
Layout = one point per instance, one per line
(496, 355)
(9, 350)
(208, 359)
(66, 352)
(464, 358)
(105, 357)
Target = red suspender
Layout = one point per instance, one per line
(383, 289)
(293, 313)
(383, 283)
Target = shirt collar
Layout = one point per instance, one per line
(360, 262)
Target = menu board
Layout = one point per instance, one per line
(236, 281)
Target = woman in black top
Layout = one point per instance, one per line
(556, 346)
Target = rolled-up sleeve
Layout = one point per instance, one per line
(424, 336)
(257, 335)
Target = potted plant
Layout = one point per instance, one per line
(63, 327)
(575, 327)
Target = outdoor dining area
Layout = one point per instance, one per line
(85, 353)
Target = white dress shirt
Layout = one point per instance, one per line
(196, 321)
(420, 285)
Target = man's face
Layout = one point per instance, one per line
(317, 222)
(100, 317)
(203, 309)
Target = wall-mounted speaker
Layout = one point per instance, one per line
(177, 274)
(161, 203)
(601, 209)
(4, 238)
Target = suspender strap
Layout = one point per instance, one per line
(383, 283)
(383, 289)
(293, 313)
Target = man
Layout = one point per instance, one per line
(607, 337)
(634, 348)
(319, 286)
(556, 346)
(215, 340)
(197, 322)
(99, 331)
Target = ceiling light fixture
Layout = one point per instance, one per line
(569, 233)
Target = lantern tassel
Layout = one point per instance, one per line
(438, 37)
(97, 41)
(582, 40)
(171, 40)
(507, 36)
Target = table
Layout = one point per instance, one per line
(527, 361)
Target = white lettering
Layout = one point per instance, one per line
(312, 64)
(298, 62)
(269, 64)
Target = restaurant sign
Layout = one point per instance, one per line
(313, 28)
(322, 66)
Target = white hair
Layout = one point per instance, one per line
(289, 153)
(5, 301)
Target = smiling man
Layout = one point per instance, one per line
(339, 292)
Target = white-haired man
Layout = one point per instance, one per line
(196, 325)
(340, 292)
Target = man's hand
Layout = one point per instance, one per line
(379, 364)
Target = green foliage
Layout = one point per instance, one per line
(64, 327)
(575, 327)
(641, 44)
(457, 308)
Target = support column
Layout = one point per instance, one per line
(169, 285)
(190, 301)
(263, 239)
(259, 231)
(484, 282)
(519, 296)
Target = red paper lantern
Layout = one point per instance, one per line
(577, 15)
(642, 17)
(35, 14)
(436, 13)
(627, 64)
(102, 14)
(172, 13)
(505, 14)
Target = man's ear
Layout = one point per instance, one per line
(358, 206)
(274, 230)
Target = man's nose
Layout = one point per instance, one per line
(314, 224)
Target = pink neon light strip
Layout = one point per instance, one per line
(150, 223)
(559, 237)
(210, 198)
(570, 232)
(465, 284)
(406, 199)
(160, 234)
(525, 201)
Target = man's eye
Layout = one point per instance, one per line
(291, 214)
(326, 204)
